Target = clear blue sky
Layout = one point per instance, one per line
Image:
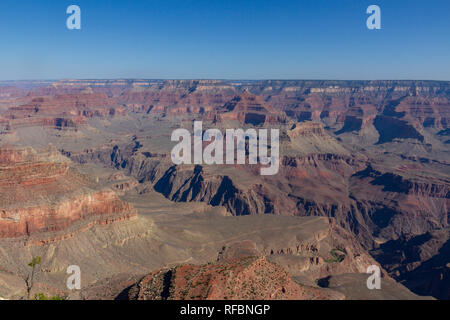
(234, 39)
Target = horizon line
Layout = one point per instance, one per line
(212, 79)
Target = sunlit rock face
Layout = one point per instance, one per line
(42, 193)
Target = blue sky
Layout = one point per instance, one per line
(234, 39)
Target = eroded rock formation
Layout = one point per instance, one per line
(41, 193)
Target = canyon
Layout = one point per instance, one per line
(86, 178)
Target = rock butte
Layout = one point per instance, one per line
(42, 193)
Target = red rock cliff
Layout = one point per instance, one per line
(41, 192)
